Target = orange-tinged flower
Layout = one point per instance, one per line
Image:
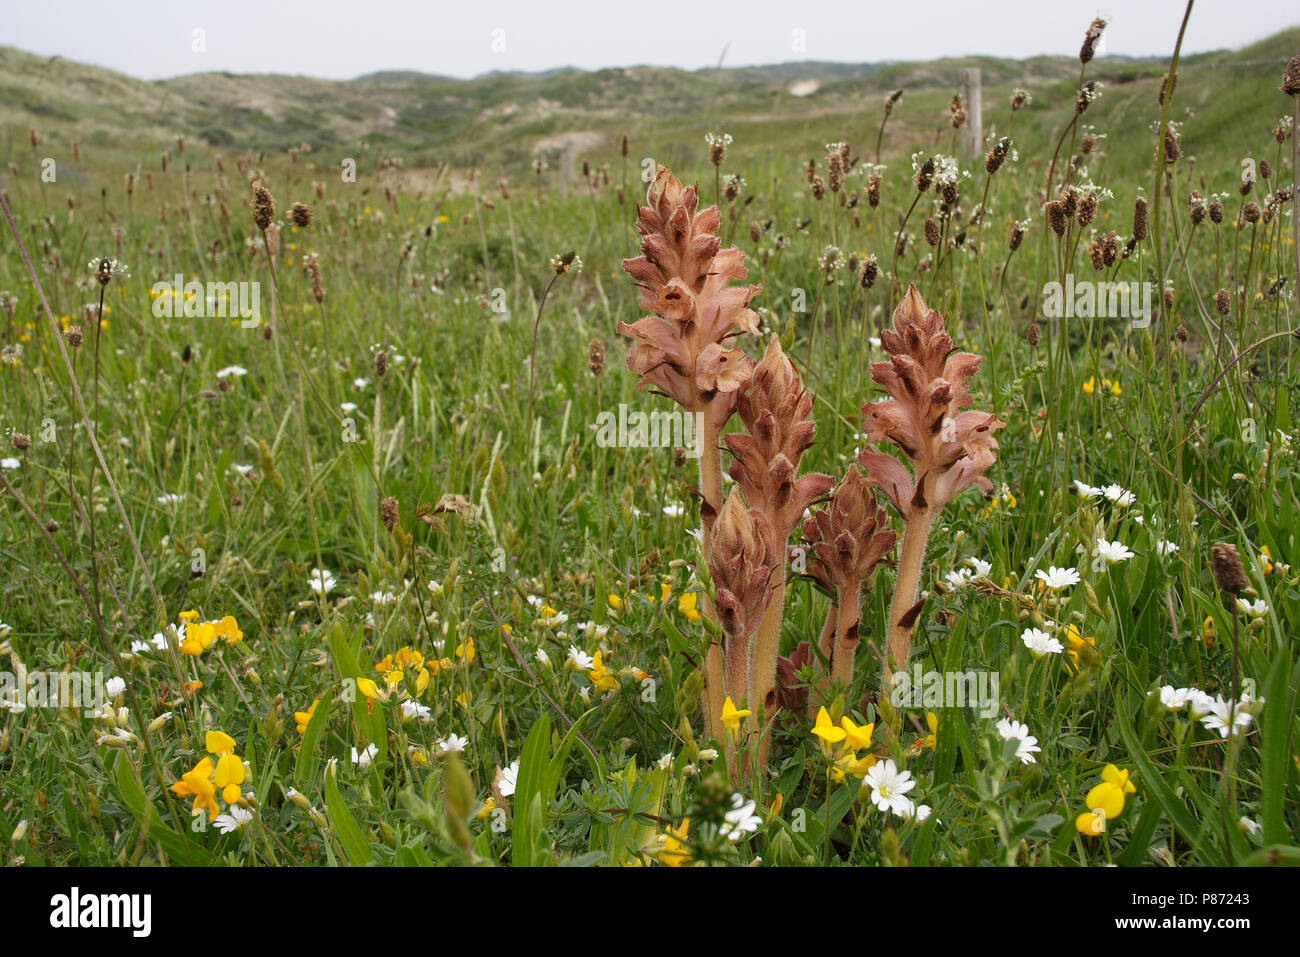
(675, 852)
(601, 676)
(197, 783)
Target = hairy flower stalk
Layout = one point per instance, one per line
(777, 411)
(684, 349)
(946, 449)
(746, 573)
(849, 539)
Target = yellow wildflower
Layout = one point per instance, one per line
(731, 715)
(826, 730)
(675, 852)
(688, 605)
(198, 784)
(303, 718)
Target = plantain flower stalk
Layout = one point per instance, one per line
(849, 539)
(683, 350)
(777, 412)
(946, 449)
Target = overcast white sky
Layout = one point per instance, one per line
(345, 38)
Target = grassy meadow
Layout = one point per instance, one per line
(361, 583)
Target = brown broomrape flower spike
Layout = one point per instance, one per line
(743, 568)
(849, 538)
(684, 349)
(947, 449)
(777, 411)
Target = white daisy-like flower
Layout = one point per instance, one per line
(171, 498)
(322, 581)
(362, 759)
(914, 812)
(114, 686)
(1165, 547)
(508, 778)
(889, 786)
(666, 762)
(579, 659)
(1224, 714)
(1173, 699)
(9, 464)
(741, 819)
(413, 709)
(958, 577)
(982, 568)
(348, 406)
(235, 818)
(1040, 643)
(1199, 703)
(383, 597)
(1113, 552)
(1016, 731)
(1119, 495)
(452, 744)
(360, 383)
(1086, 491)
(242, 469)
(542, 657)
(1057, 578)
(673, 510)
(232, 372)
(1249, 826)
(1255, 609)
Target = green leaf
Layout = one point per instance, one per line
(1275, 732)
(1179, 816)
(1139, 839)
(533, 769)
(346, 828)
(308, 759)
(131, 791)
(370, 723)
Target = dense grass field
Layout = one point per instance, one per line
(359, 578)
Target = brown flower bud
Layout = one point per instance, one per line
(1222, 302)
(1140, 212)
(1229, 574)
(388, 512)
(596, 356)
(263, 206)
